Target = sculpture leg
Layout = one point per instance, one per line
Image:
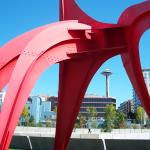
(138, 17)
(9, 117)
(134, 71)
(27, 82)
(131, 60)
(75, 76)
(19, 102)
(18, 106)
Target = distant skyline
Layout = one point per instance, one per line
(19, 16)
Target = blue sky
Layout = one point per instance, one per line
(19, 16)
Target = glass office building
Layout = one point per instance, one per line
(97, 102)
(40, 109)
(146, 74)
(90, 101)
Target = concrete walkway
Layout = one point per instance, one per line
(83, 133)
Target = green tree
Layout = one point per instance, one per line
(39, 124)
(31, 121)
(82, 121)
(92, 112)
(25, 115)
(76, 125)
(48, 122)
(94, 124)
(140, 115)
(110, 115)
(120, 120)
(55, 109)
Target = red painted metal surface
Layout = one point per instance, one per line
(81, 47)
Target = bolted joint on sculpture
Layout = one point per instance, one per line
(80, 45)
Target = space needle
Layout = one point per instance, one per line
(107, 73)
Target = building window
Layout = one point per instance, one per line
(145, 74)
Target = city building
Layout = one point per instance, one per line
(146, 74)
(54, 101)
(90, 101)
(46, 113)
(34, 106)
(127, 107)
(40, 109)
(97, 102)
(2, 96)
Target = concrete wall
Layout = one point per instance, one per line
(20, 142)
(42, 143)
(86, 144)
(47, 143)
(127, 144)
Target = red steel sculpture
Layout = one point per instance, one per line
(80, 45)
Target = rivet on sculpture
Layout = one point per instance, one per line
(80, 45)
